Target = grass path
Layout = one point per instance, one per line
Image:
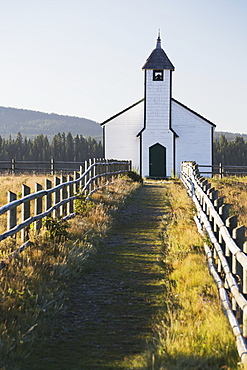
(112, 308)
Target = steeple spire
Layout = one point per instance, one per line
(158, 45)
(158, 58)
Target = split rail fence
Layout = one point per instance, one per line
(55, 200)
(14, 166)
(227, 258)
(222, 170)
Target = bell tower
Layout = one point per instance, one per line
(157, 136)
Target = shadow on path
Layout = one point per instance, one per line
(112, 308)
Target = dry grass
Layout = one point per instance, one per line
(234, 189)
(194, 334)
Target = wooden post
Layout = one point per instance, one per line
(220, 171)
(231, 223)
(84, 181)
(107, 170)
(218, 203)
(11, 218)
(13, 166)
(48, 197)
(64, 195)
(90, 174)
(76, 185)
(238, 235)
(25, 212)
(37, 207)
(94, 173)
(52, 166)
(224, 211)
(70, 205)
(57, 197)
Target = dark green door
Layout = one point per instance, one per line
(157, 161)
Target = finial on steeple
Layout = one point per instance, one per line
(158, 45)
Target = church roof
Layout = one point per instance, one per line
(158, 59)
(173, 100)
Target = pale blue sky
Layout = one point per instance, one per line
(84, 58)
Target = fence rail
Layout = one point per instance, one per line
(52, 166)
(57, 200)
(227, 259)
(222, 170)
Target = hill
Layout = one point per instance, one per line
(32, 123)
(229, 135)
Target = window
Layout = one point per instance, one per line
(158, 75)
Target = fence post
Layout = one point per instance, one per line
(90, 174)
(130, 165)
(224, 211)
(11, 218)
(57, 197)
(13, 166)
(107, 179)
(37, 207)
(76, 184)
(94, 170)
(238, 235)
(70, 205)
(52, 166)
(84, 181)
(48, 197)
(64, 195)
(220, 170)
(25, 212)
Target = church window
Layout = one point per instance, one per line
(158, 75)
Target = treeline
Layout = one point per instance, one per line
(230, 152)
(63, 147)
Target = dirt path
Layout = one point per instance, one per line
(112, 308)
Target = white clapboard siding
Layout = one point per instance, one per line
(194, 142)
(121, 141)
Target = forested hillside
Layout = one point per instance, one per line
(31, 123)
(229, 135)
(230, 152)
(62, 147)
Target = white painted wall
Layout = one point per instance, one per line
(121, 141)
(194, 141)
(157, 120)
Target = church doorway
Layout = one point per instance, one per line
(157, 161)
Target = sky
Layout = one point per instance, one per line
(84, 58)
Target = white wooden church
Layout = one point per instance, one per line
(157, 133)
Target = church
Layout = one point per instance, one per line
(158, 132)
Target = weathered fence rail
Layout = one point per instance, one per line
(52, 166)
(222, 170)
(57, 200)
(227, 259)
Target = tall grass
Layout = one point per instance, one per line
(194, 333)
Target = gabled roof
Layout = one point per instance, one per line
(192, 111)
(158, 59)
(140, 101)
(123, 111)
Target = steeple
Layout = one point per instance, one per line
(158, 45)
(158, 58)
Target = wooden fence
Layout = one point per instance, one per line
(227, 258)
(55, 200)
(52, 166)
(222, 170)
